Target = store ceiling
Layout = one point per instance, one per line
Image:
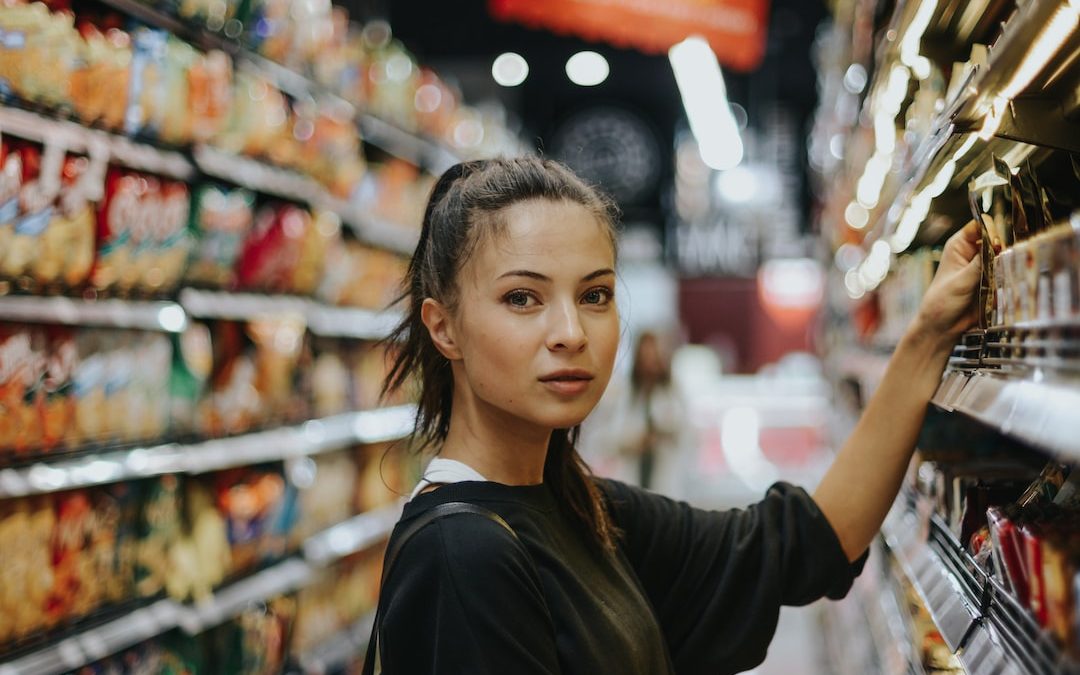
(460, 40)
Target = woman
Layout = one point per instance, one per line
(511, 332)
(650, 424)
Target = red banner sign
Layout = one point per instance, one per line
(734, 28)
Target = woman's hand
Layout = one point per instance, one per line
(950, 305)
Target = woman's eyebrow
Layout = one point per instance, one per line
(597, 274)
(542, 277)
(525, 273)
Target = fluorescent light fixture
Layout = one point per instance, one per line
(1049, 41)
(993, 118)
(587, 69)
(909, 44)
(704, 96)
(510, 69)
(737, 186)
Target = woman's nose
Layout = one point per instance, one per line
(566, 332)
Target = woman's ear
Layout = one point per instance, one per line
(440, 327)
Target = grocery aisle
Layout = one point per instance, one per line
(208, 210)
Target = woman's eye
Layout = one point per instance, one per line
(518, 298)
(597, 296)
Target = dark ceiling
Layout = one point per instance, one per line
(460, 40)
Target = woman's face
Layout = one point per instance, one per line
(536, 322)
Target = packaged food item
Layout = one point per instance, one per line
(271, 254)
(330, 379)
(220, 221)
(171, 239)
(100, 85)
(279, 347)
(121, 232)
(232, 404)
(192, 364)
(58, 416)
(361, 276)
(311, 261)
(22, 388)
(73, 593)
(1008, 553)
(328, 496)
(67, 245)
(160, 525)
(147, 86)
(247, 498)
(38, 53)
(40, 184)
(148, 416)
(29, 526)
(11, 176)
(259, 119)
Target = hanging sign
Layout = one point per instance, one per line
(734, 28)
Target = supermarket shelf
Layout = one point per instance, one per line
(982, 623)
(256, 175)
(228, 602)
(395, 237)
(952, 609)
(1038, 412)
(401, 143)
(382, 134)
(325, 320)
(77, 138)
(353, 535)
(155, 316)
(98, 642)
(339, 650)
(312, 437)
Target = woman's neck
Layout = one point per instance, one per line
(501, 448)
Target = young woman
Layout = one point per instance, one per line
(511, 333)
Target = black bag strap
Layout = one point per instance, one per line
(372, 662)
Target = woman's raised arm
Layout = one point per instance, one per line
(859, 488)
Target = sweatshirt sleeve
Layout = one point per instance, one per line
(717, 579)
(463, 599)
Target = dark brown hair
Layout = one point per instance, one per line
(468, 202)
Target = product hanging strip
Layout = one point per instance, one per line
(311, 438)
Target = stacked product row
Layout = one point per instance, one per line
(81, 553)
(65, 389)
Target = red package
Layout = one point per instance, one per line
(1008, 553)
(72, 591)
(125, 244)
(273, 251)
(1033, 555)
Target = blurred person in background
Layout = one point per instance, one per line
(650, 424)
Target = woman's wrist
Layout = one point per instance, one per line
(929, 337)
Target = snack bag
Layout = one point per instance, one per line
(39, 187)
(172, 239)
(99, 87)
(279, 344)
(160, 524)
(272, 252)
(11, 176)
(58, 416)
(173, 121)
(233, 404)
(73, 593)
(192, 363)
(38, 50)
(314, 245)
(146, 96)
(22, 391)
(221, 219)
(210, 82)
(66, 253)
(88, 387)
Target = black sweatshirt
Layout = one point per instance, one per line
(688, 591)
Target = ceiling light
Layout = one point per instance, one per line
(704, 96)
(510, 69)
(587, 69)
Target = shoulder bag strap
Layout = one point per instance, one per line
(373, 661)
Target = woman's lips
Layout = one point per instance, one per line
(568, 382)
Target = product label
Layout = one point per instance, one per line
(13, 39)
(34, 224)
(1043, 298)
